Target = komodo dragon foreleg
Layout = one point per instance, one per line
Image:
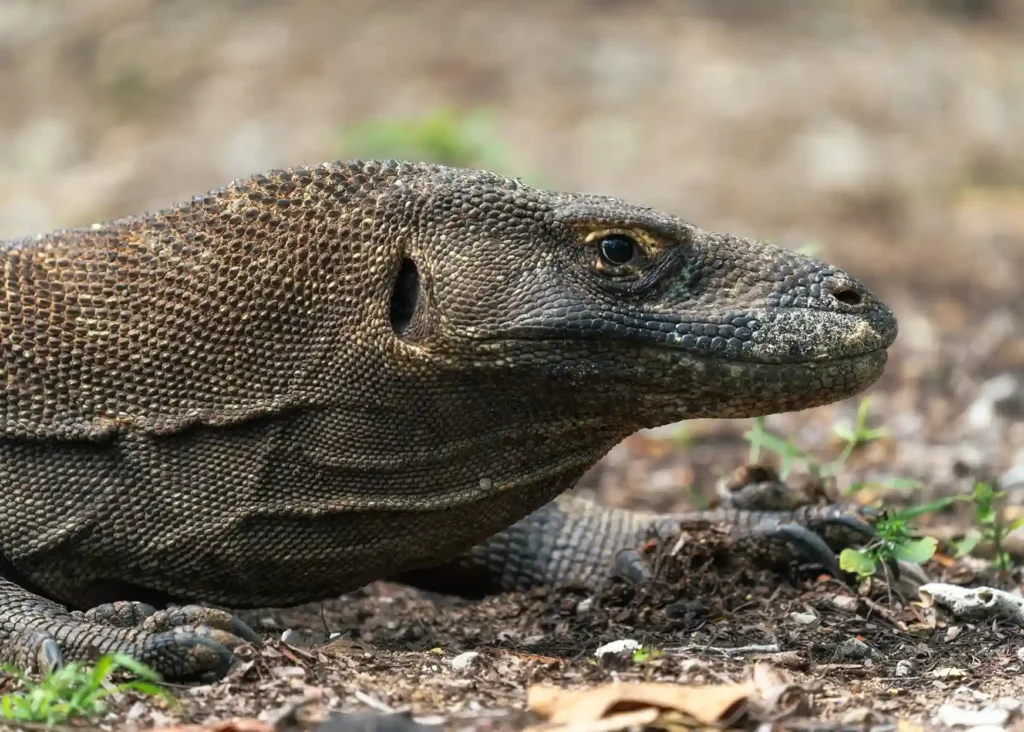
(573, 541)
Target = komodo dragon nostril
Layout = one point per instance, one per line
(847, 296)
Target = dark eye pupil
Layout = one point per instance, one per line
(617, 249)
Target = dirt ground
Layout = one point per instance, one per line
(850, 657)
(886, 134)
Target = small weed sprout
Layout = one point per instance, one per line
(895, 541)
(76, 691)
(643, 654)
(989, 525)
(853, 437)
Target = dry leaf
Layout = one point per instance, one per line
(704, 704)
(777, 695)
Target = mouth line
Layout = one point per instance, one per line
(732, 361)
(667, 349)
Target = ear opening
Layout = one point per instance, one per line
(405, 296)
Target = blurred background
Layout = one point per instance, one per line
(885, 135)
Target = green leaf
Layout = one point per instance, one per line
(857, 561)
(968, 544)
(643, 654)
(916, 551)
(983, 493)
(136, 667)
(905, 514)
(145, 687)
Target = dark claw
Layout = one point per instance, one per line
(838, 526)
(631, 566)
(894, 568)
(48, 656)
(857, 526)
(243, 631)
(851, 522)
(808, 544)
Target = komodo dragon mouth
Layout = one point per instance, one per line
(783, 336)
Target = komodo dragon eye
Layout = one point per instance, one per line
(617, 249)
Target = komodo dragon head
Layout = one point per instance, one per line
(627, 305)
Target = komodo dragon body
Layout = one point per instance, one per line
(319, 377)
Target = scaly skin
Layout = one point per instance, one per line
(282, 390)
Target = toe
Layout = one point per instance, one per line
(122, 614)
(185, 655)
(44, 654)
(840, 528)
(221, 637)
(808, 545)
(198, 615)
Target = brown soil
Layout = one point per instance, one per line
(708, 616)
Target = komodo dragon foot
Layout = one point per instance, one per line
(808, 534)
(572, 541)
(188, 642)
(773, 523)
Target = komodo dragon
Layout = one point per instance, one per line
(318, 377)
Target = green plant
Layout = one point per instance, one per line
(895, 541)
(75, 690)
(643, 654)
(443, 136)
(852, 436)
(989, 525)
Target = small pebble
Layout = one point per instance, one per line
(136, 711)
(904, 668)
(858, 716)
(954, 716)
(845, 602)
(464, 660)
(620, 646)
(853, 649)
(298, 638)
